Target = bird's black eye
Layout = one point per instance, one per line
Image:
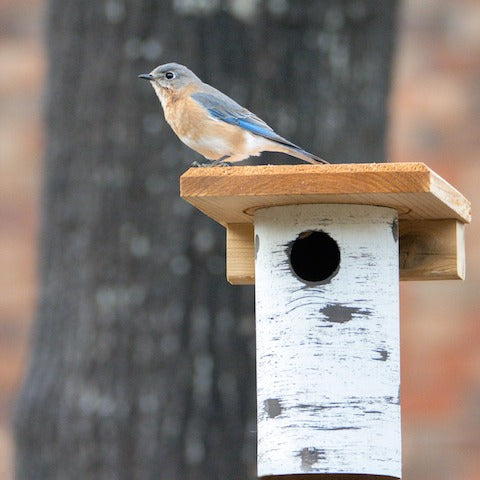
(169, 75)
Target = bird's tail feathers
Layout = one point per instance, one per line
(302, 154)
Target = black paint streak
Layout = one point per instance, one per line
(384, 354)
(395, 230)
(393, 400)
(309, 456)
(257, 245)
(323, 429)
(311, 408)
(338, 313)
(273, 407)
(306, 300)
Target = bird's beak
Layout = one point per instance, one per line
(146, 76)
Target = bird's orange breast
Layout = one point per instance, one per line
(196, 128)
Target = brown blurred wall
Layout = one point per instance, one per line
(435, 118)
(22, 66)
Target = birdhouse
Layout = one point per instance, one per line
(326, 246)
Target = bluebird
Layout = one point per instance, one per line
(211, 123)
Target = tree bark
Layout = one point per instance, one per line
(142, 362)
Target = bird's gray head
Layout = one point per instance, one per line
(170, 76)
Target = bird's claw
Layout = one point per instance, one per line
(217, 163)
(221, 164)
(197, 164)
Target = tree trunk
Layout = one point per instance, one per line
(142, 364)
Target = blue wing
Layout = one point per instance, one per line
(227, 110)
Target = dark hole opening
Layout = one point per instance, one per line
(315, 256)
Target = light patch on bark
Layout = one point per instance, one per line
(244, 10)
(196, 7)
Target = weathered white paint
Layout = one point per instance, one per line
(328, 367)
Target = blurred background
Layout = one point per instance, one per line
(435, 118)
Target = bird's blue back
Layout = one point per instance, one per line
(223, 108)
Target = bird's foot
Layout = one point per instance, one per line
(221, 162)
(198, 164)
(216, 163)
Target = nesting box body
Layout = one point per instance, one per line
(328, 366)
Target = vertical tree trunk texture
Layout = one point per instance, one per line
(142, 364)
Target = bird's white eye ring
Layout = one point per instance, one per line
(169, 75)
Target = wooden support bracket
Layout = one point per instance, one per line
(429, 250)
(432, 250)
(240, 253)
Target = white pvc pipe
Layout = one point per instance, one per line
(328, 366)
